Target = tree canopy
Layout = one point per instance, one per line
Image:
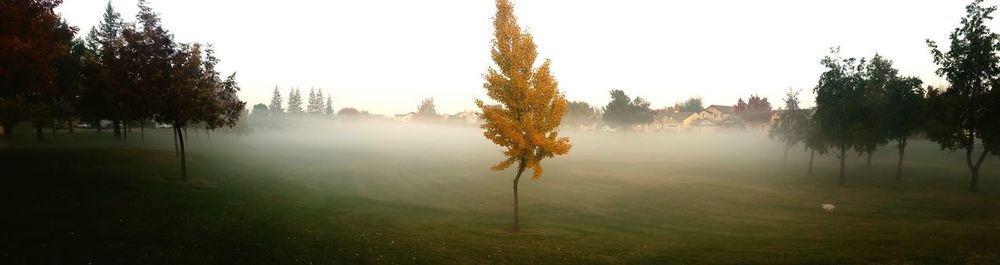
(623, 112)
(966, 112)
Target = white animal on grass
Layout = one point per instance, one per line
(828, 207)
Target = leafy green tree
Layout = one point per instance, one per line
(179, 81)
(871, 133)
(904, 113)
(581, 113)
(146, 82)
(69, 81)
(788, 127)
(103, 71)
(260, 115)
(966, 112)
(623, 112)
(837, 94)
(693, 104)
(814, 138)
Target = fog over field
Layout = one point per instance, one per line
(499, 132)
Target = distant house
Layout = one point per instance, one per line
(405, 117)
(717, 113)
(673, 120)
(465, 117)
(684, 118)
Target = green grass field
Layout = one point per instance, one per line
(415, 195)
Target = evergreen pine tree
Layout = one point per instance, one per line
(294, 101)
(329, 104)
(275, 106)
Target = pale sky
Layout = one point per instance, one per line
(384, 56)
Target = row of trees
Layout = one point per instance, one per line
(316, 105)
(864, 104)
(126, 72)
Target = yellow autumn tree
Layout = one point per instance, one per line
(525, 122)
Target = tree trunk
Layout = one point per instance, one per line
(116, 124)
(869, 163)
(71, 129)
(125, 133)
(180, 138)
(974, 168)
(785, 158)
(843, 155)
(54, 131)
(39, 133)
(812, 155)
(142, 131)
(520, 169)
(177, 150)
(902, 150)
(98, 125)
(8, 131)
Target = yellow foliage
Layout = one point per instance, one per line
(525, 122)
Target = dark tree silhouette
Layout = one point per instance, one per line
(904, 113)
(967, 111)
(30, 42)
(837, 94)
(871, 132)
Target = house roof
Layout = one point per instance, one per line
(723, 108)
(679, 116)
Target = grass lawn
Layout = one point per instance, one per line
(416, 195)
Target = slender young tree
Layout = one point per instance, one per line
(837, 96)
(965, 113)
(320, 104)
(525, 122)
(904, 113)
(788, 128)
(814, 138)
(311, 104)
(329, 105)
